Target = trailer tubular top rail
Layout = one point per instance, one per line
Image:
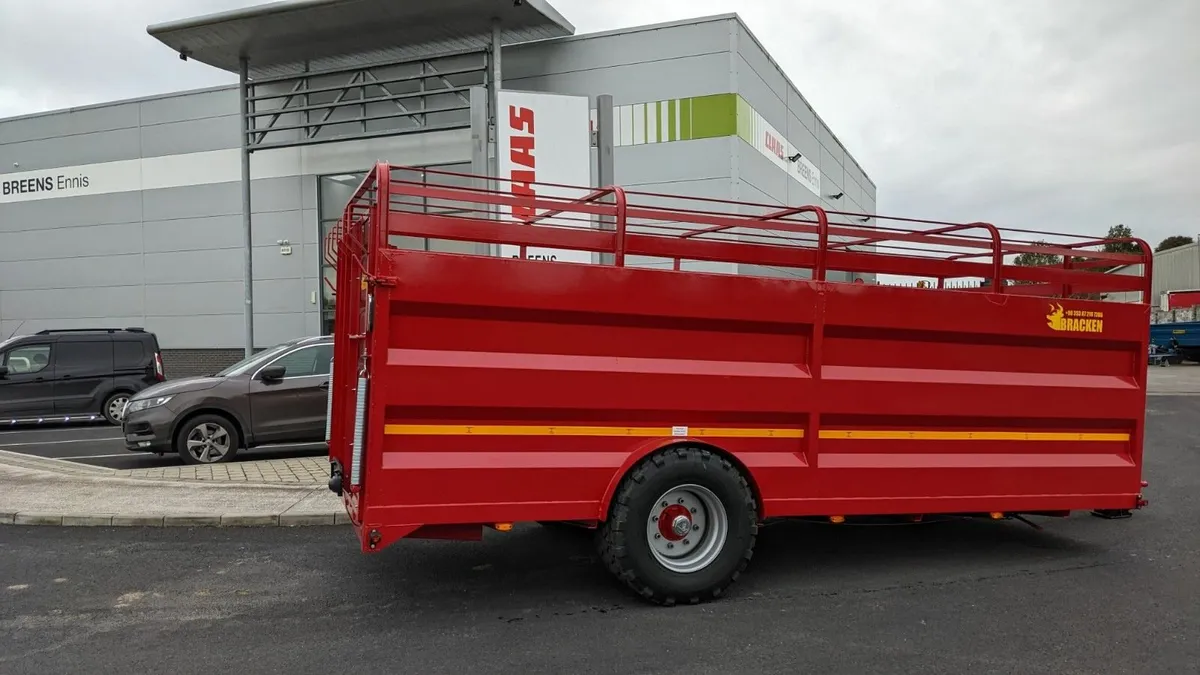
(804, 241)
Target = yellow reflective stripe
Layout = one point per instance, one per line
(725, 432)
(884, 435)
(646, 432)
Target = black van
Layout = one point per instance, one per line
(75, 375)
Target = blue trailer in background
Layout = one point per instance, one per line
(1182, 338)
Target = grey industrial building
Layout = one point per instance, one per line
(130, 213)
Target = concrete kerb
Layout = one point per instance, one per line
(288, 505)
(175, 520)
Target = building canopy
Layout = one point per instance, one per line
(284, 38)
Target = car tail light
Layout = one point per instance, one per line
(159, 374)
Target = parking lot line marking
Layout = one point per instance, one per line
(69, 440)
(123, 454)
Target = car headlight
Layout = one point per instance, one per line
(145, 403)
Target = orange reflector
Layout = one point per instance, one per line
(837, 519)
(504, 527)
(996, 515)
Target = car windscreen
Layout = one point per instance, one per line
(248, 364)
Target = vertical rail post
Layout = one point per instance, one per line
(247, 231)
(494, 82)
(605, 170)
(622, 207)
(479, 154)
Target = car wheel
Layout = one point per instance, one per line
(681, 527)
(114, 408)
(207, 439)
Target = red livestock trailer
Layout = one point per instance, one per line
(689, 369)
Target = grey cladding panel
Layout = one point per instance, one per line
(830, 166)
(268, 228)
(272, 329)
(830, 143)
(191, 106)
(192, 234)
(113, 270)
(280, 296)
(761, 96)
(633, 48)
(61, 151)
(805, 142)
(309, 225)
(71, 243)
(669, 162)
(269, 263)
(757, 172)
(198, 331)
(801, 111)
(275, 194)
(7, 326)
(754, 58)
(98, 302)
(654, 81)
(196, 201)
(69, 123)
(178, 138)
(193, 266)
(46, 214)
(194, 299)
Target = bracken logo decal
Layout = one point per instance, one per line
(1074, 320)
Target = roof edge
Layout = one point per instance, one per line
(277, 7)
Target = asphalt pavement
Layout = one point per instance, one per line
(103, 445)
(1084, 595)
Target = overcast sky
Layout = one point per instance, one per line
(1057, 114)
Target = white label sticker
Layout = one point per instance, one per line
(679, 431)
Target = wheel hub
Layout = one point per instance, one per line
(674, 522)
(686, 528)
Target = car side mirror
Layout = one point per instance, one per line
(3, 371)
(272, 373)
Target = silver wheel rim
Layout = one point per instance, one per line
(116, 408)
(687, 528)
(208, 443)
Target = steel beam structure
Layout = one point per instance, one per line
(385, 99)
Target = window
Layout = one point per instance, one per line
(128, 354)
(28, 359)
(93, 355)
(306, 362)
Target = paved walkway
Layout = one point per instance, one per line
(298, 471)
(288, 492)
(1177, 380)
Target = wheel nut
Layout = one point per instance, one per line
(695, 510)
(670, 545)
(686, 542)
(680, 500)
(657, 536)
(664, 504)
(654, 519)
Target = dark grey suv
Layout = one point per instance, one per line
(276, 396)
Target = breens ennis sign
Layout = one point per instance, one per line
(544, 138)
(34, 185)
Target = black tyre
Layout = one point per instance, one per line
(207, 439)
(114, 407)
(681, 527)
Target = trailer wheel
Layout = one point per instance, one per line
(681, 527)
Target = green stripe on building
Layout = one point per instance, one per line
(714, 116)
